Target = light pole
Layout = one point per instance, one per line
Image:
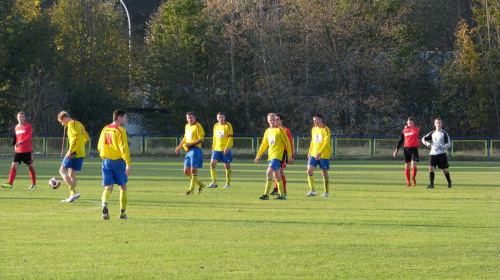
(129, 48)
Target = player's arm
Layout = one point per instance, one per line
(123, 145)
(400, 142)
(180, 145)
(86, 136)
(14, 138)
(289, 134)
(288, 145)
(263, 146)
(229, 144)
(214, 137)
(427, 139)
(447, 142)
(72, 138)
(100, 143)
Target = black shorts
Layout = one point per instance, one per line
(284, 160)
(27, 158)
(440, 160)
(411, 154)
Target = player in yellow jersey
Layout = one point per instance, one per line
(221, 149)
(113, 149)
(193, 137)
(73, 160)
(319, 154)
(276, 139)
(288, 156)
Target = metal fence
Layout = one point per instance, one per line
(248, 145)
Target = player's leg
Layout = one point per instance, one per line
(432, 167)
(326, 182)
(28, 160)
(414, 172)
(415, 159)
(64, 172)
(310, 175)
(194, 179)
(279, 181)
(123, 202)
(13, 171)
(104, 199)
(227, 165)
(443, 165)
(447, 175)
(407, 174)
(283, 178)
(213, 170)
(108, 180)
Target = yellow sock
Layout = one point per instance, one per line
(310, 179)
(194, 182)
(213, 173)
(326, 183)
(105, 196)
(269, 185)
(123, 201)
(72, 189)
(228, 176)
(280, 187)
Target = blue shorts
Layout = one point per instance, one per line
(73, 163)
(221, 157)
(194, 158)
(323, 163)
(275, 164)
(113, 172)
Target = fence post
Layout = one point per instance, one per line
(488, 146)
(143, 146)
(254, 144)
(372, 145)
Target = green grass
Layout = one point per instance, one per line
(370, 228)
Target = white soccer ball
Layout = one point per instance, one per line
(54, 183)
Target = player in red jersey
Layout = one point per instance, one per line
(411, 143)
(287, 157)
(23, 150)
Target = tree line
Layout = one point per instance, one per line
(365, 65)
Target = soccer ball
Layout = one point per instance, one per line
(54, 183)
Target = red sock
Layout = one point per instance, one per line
(12, 176)
(284, 183)
(407, 173)
(414, 175)
(33, 176)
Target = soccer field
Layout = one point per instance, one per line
(371, 227)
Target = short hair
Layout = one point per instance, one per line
(221, 114)
(191, 113)
(438, 119)
(271, 115)
(280, 116)
(61, 115)
(411, 119)
(118, 113)
(318, 116)
(21, 112)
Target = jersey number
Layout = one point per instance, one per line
(108, 139)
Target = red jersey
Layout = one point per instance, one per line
(24, 133)
(289, 134)
(409, 137)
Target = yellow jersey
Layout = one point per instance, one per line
(77, 138)
(277, 141)
(320, 142)
(113, 143)
(223, 137)
(193, 132)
